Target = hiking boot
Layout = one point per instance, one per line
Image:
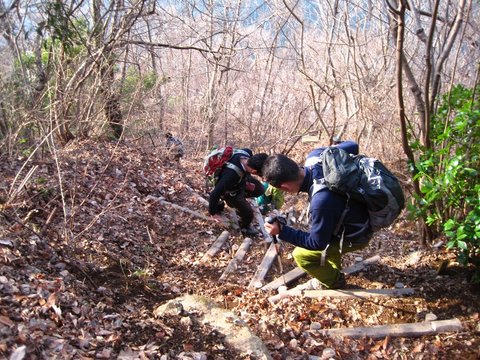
(221, 206)
(312, 284)
(249, 231)
(340, 283)
(315, 284)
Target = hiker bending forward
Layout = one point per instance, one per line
(318, 252)
(234, 185)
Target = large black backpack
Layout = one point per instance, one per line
(364, 179)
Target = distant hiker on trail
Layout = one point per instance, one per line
(318, 252)
(174, 147)
(234, 185)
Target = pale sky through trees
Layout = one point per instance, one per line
(321, 67)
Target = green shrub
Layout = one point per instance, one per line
(448, 174)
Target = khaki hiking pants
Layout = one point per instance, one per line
(310, 261)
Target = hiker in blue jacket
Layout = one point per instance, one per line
(318, 252)
(234, 185)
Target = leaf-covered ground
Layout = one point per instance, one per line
(88, 251)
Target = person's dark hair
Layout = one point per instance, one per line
(278, 169)
(256, 162)
(168, 135)
(248, 151)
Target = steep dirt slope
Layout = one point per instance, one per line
(85, 261)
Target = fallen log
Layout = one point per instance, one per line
(289, 277)
(258, 216)
(404, 330)
(234, 219)
(216, 246)
(239, 255)
(297, 273)
(184, 209)
(360, 294)
(361, 265)
(161, 201)
(200, 198)
(268, 259)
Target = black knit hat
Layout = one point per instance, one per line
(248, 151)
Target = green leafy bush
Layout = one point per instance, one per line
(135, 81)
(449, 174)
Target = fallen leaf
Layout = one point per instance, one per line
(187, 347)
(6, 321)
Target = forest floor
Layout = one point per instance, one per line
(84, 265)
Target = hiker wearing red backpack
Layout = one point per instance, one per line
(234, 184)
(337, 225)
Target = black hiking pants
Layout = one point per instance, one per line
(238, 200)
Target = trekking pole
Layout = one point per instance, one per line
(276, 244)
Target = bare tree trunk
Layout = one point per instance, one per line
(3, 121)
(429, 61)
(459, 20)
(414, 87)
(400, 18)
(185, 113)
(114, 115)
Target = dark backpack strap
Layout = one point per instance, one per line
(235, 168)
(342, 217)
(318, 185)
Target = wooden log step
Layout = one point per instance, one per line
(239, 255)
(289, 277)
(259, 276)
(216, 246)
(297, 273)
(361, 265)
(233, 222)
(161, 201)
(258, 216)
(404, 330)
(360, 293)
(199, 197)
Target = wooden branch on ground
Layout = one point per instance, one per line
(197, 195)
(261, 223)
(404, 330)
(184, 209)
(297, 273)
(268, 259)
(360, 294)
(361, 265)
(161, 201)
(289, 277)
(303, 218)
(216, 246)
(233, 215)
(239, 255)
